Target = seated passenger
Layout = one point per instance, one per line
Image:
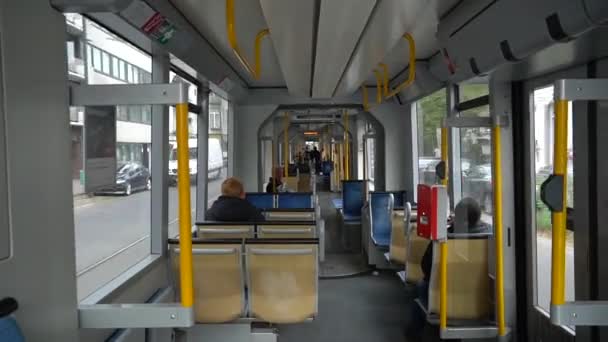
(232, 206)
(269, 188)
(467, 219)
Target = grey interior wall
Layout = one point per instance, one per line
(399, 169)
(41, 272)
(247, 121)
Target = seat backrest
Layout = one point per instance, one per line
(398, 247)
(353, 196)
(381, 215)
(416, 246)
(399, 198)
(225, 230)
(260, 200)
(282, 279)
(219, 288)
(468, 280)
(295, 200)
(290, 214)
(287, 230)
(291, 183)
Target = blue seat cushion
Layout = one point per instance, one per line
(382, 241)
(337, 202)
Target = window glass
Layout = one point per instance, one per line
(370, 151)
(543, 119)
(121, 70)
(106, 63)
(430, 111)
(115, 73)
(136, 78)
(112, 223)
(476, 167)
(481, 111)
(218, 145)
(473, 89)
(130, 73)
(96, 58)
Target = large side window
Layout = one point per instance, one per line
(542, 119)
(112, 223)
(475, 146)
(429, 111)
(218, 145)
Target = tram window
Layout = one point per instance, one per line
(371, 161)
(542, 119)
(218, 145)
(476, 167)
(473, 89)
(111, 230)
(430, 111)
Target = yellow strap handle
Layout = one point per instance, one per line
(255, 70)
(411, 71)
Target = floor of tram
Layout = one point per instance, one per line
(355, 302)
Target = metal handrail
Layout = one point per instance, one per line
(256, 69)
(412, 68)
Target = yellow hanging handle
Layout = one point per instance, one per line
(558, 253)
(443, 245)
(411, 70)
(185, 224)
(379, 86)
(500, 278)
(255, 70)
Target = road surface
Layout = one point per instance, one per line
(107, 224)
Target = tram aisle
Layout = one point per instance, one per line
(361, 308)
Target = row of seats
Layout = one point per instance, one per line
(469, 283)
(248, 230)
(283, 200)
(268, 280)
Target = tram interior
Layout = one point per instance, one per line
(413, 162)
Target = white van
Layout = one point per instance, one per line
(215, 159)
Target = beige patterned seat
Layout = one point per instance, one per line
(282, 280)
(398, 246)
(223, 230)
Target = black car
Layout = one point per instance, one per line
(130, 177)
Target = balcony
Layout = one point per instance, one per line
(76, 68)
(75, 23)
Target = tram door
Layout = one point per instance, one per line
(537, 160)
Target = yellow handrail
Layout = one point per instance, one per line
(497, 179)
(412, 68)
(185, 225)
(385, 77)
(286, 145)
(255, 70)
(365, 98)
(443, 245)
(379, 86)
(346, 148)
(558, 253)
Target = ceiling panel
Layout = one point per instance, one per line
(291, 24)
(209, 18)
(341, 23)
(382, 41)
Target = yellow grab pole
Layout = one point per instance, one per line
(443, 245)
(286, 145)
(346, 148)
(365, 98)
(185, 225)
(274, 166)
(558, 253)
(411, 70)
(385, 76)
(500, 278)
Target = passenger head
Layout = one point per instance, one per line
(467, 215)
(314, 148)
(232, 187)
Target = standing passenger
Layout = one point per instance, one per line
(232, 206)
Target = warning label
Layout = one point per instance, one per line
(159, 28)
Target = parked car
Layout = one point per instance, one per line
(477, 184)
(215, 160)
(130, 177)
